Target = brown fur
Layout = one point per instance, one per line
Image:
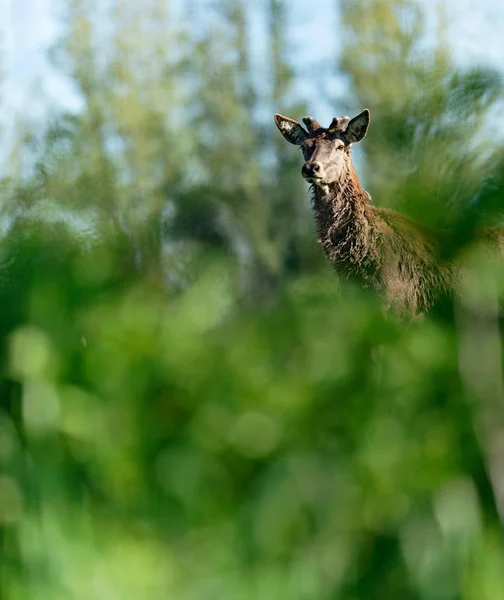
(377, 247)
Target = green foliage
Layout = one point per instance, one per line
(189, 406)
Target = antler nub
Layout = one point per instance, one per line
(339, 122)
(311, 124)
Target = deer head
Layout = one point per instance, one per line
(326, 151)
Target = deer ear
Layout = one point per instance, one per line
(357, 127)
(291, 130)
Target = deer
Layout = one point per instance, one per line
(376, 247)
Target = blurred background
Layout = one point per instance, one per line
(189, 408)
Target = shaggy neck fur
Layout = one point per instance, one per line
(345, 225)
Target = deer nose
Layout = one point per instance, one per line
(310, 169)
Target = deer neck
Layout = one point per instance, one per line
(344, 219)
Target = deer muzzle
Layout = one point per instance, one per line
(311, 171)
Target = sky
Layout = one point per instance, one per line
(29, 27)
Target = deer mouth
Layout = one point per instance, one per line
(312, 179)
